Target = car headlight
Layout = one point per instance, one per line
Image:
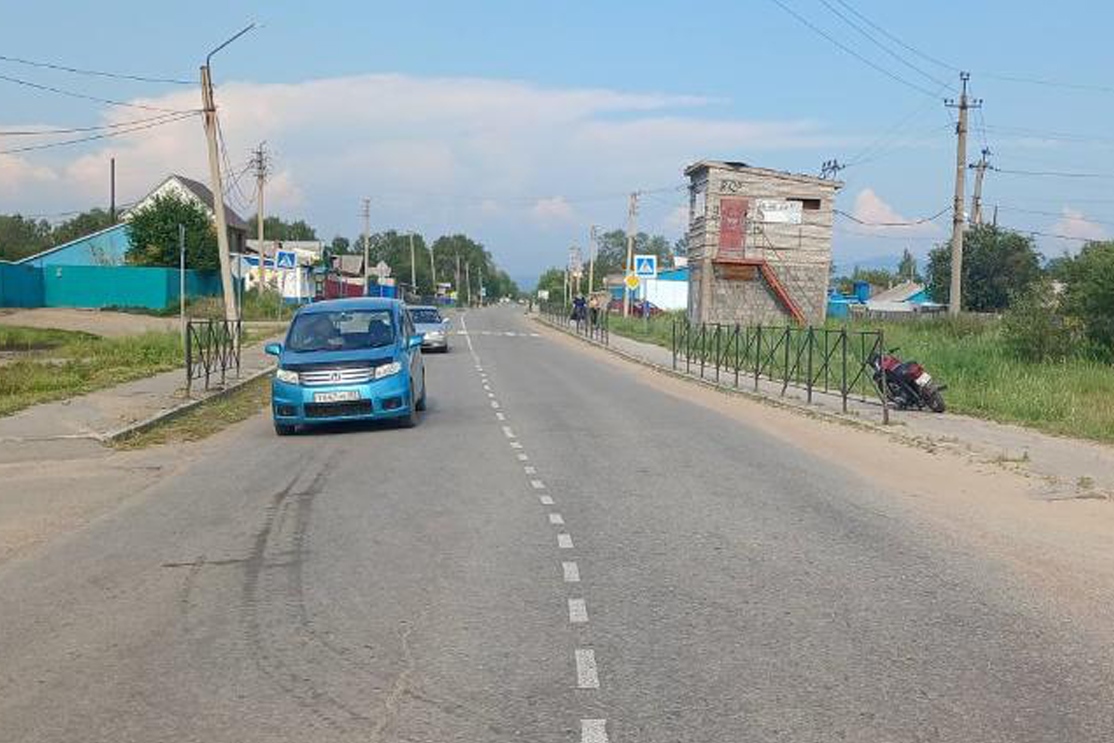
(285, 375)
(387, 370)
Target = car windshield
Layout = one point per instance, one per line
(341, 331)
(425, 316)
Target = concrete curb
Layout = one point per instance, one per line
(131, 429)
(790, 405)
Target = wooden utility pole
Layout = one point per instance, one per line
(980, 169)
(112, 191)
(468, 280)
(413, 266)
(955, 297)
(591, 258)
(456, 286)
(632, 215)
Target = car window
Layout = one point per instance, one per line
(425, 316)
(341, 331)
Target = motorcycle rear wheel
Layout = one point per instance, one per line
(935, 401)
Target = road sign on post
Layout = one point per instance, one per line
(631, 281)
(646, 266)
(286, 259)
(382, 270)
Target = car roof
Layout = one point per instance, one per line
(351, 303)
(422, 307)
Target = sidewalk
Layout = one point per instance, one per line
(80, 426)
(1071, 468)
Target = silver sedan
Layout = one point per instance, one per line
(433, 327)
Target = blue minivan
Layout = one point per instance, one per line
(348, 359)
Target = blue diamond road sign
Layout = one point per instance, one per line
(286, 259)
(645, 266)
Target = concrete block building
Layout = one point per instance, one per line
(760, 244)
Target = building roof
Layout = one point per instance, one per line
(900, 293)
(202, 193)
(71, 243)
(350, 265)
(765, 172)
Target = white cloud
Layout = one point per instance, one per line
(17, 174)
(554, 209)
(876, 217)
(1074, 223)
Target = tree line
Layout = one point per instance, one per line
(611, 259)
(21, 236)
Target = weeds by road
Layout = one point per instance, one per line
(45, 365)
(206, 419)
(1072, 398)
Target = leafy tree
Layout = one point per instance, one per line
(612, 256)
(21, 237)
(83, 224)
(553, 281)
(340, 246)
(997, 264)
(1089, 293)
(1036, 329)
(879, 277)
(153, 233)
(274, 228)
(907, 267)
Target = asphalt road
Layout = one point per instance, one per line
(557, 553)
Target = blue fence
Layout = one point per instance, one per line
(100, 286)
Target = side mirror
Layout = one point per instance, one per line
(273, 349)
(416, 340)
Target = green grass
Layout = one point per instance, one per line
(1073, 398)
(61, 364)
(207, 418)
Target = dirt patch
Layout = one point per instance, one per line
(97, 322)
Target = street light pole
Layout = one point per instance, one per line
(231, 311)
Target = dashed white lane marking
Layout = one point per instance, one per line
(593, 731)
(508, 432)
(578, 611)
(500, 416)
(516, 444)
(556, 519)
(571, 572)
(522, 457)
(586, 675)
(487, 388)
(491, 395)
(495, 404)
(537, 485)
(530, 470)
(546, 500)
(564, 541)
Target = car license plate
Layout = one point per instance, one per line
(923, 379)
(343, 396)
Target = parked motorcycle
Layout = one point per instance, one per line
(907, 383)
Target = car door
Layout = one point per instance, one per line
(414, 354)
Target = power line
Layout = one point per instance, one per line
(880, 45)
(909, 223)
(852, 52)
(106, 135)
(1052, 173)
(1060, 215)
(96, 73)
(896, 40)
(1049, 83)
(83, 96)
(1064, 136)
(79, 129)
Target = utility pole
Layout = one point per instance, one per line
(433, 274)
(481, 269)
(632, 214)
(260, 163)
(413, 266)
(829, 169)
(112, 191)
(591, 258)
(468, 280)
(231, 311)
(456, 286)
(955, 298)
(980, 169)
(366, 214)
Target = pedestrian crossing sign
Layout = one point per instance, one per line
(286, 259)
(645, 266)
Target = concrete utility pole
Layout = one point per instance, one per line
(632, 215)
(980, 169)
(112, 191)
(955, 299)
(365, 213)
(591, 257)
(433, 274)
(231, 311)
(456, 286)
(260, 163)
(413, 266)
(468, 280)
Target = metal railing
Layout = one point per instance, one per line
(829, 360)
(594, 323)
(212, 348)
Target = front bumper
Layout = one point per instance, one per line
(293, 404)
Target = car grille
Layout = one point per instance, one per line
(338, 409)
(351, 375)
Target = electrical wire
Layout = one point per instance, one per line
(1089, 87)
(895, 39)
(106, 135)
(79, 129)
(1063, 136)
(1045, 213)
(83, 96)
(96, 73)
(1051, 173)
(817, 30)
(882, 46)
(910, 223)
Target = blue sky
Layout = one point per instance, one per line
(524, 123)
